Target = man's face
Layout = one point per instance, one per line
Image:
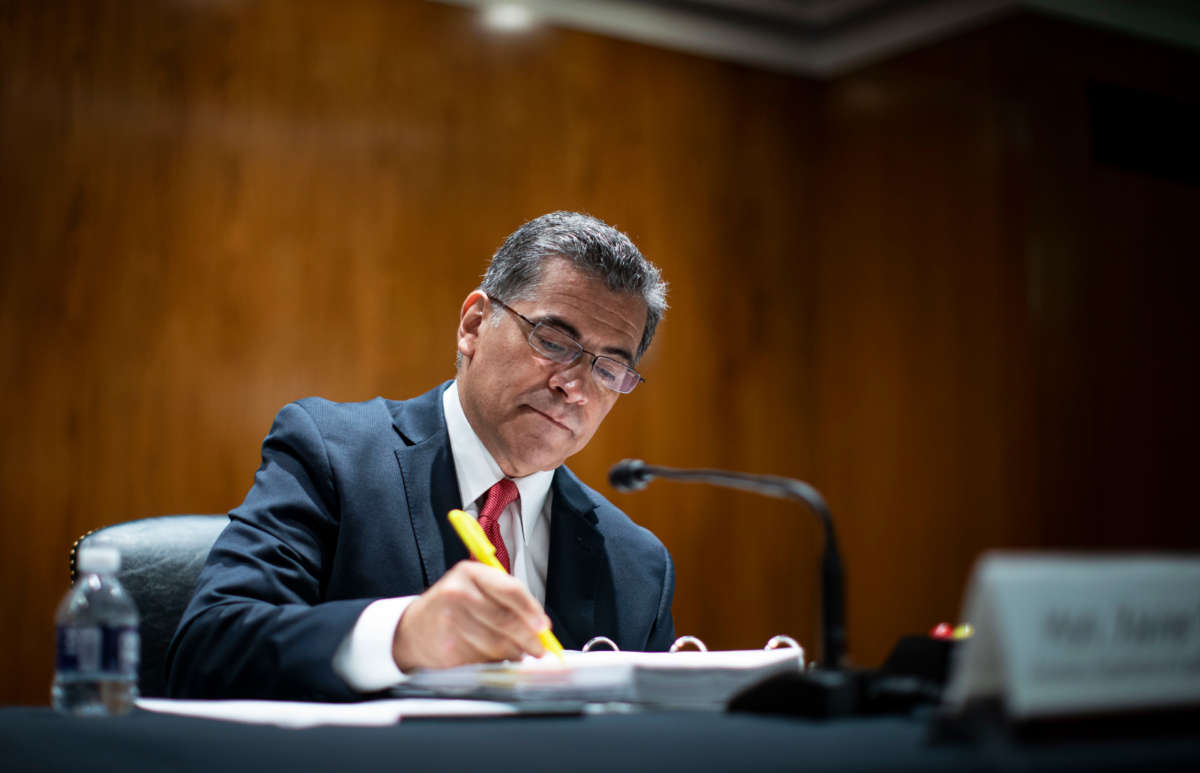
(532, 413)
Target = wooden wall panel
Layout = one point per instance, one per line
(1003, 320)
(911, 286)
(925, 403)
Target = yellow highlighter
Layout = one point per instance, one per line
(483, 551)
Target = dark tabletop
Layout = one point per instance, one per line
(38, 739)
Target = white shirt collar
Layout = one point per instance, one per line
(477, 470)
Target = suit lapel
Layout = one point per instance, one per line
(430, 485)
(576, 565)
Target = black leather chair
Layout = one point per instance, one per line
(161, 559)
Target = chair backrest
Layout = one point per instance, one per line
(161, 559)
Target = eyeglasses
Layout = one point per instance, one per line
(555, 345)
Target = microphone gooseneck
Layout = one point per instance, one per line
(635, 475)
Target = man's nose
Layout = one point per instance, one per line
(571, 380)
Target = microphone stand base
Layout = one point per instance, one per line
(825, 694)
(815, 693)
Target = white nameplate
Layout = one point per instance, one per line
(1059, 635)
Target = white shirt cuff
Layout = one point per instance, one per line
(364, 658)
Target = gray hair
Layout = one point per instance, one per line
(592, 246)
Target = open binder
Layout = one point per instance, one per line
(688, 680)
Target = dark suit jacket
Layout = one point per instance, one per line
(349, 506)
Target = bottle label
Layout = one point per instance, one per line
(101, 649)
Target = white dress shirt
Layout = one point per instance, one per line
(364, 658)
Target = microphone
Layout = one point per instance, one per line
(629, 475)
(635, 475)
(830, 690)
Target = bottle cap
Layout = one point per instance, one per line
(102, 559)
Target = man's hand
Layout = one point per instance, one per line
(474, 613)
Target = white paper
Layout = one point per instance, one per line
(296, 714)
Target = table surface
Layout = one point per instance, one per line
(35, 738)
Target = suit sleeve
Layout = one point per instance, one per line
(257, 625)
(662, 636)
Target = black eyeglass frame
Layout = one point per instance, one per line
(533, 326)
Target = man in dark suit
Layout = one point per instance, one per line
(339, 572)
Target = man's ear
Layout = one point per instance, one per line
(470, 320)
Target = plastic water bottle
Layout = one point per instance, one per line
(98, 646)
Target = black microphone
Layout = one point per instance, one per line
(635, 475)
(629, 475)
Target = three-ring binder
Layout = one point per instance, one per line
(780, 641)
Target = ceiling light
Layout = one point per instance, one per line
(508, 17)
